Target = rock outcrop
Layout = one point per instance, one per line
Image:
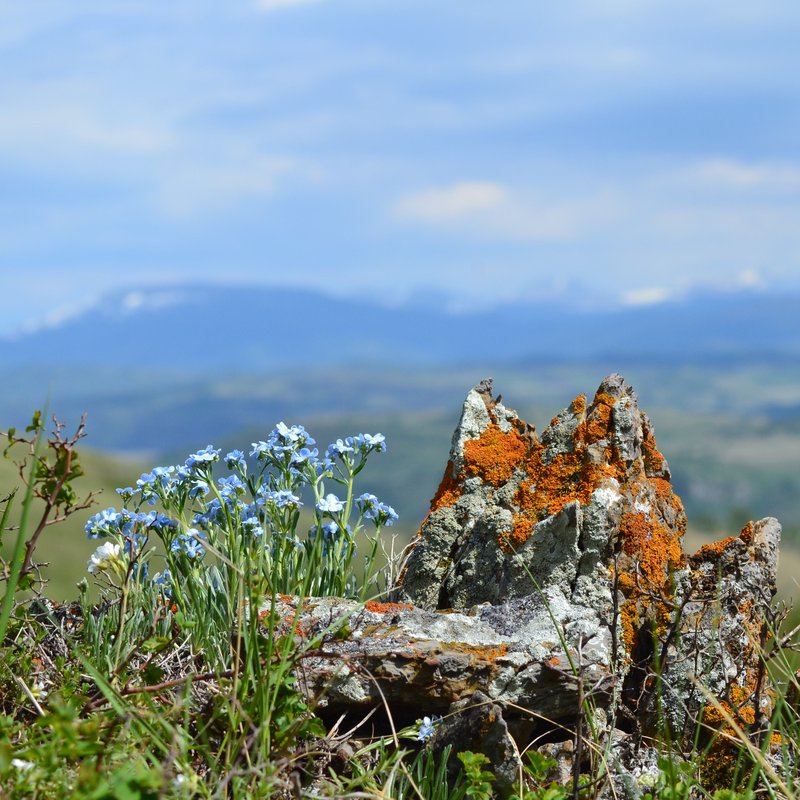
(547, 594)
(586, 516)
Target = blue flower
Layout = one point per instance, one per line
(366, 504)
(103, 523)
(338, 448)
(164, 582)
(261, 450)
(426, 728)
(330, 504)
(199, 488)
(366, 443)
(156, 521)
(295, 434)
(284, 498)
(323, 466)
(372, 508)
(376, 442)
(330, 533)
(231, 487)
(127, 493)
(189, 543)
(329, 530)
(202, 458)
(235, 460)
(384, 515)
(211, 516)
(252, 524)
(301, 457)
(155, 483)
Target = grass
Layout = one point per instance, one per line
(65, 549)
(181, 690)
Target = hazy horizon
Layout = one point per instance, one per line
(386, 150)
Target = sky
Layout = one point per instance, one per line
(465, 151)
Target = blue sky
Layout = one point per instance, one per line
(491, 151)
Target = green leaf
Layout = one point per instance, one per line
(154, 644)
(153, 674)
(36, 422)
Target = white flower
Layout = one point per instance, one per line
(104, 557)
(21, 764)
(330, 504)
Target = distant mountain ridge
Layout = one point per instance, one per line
(257, 328)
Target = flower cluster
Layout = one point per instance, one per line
(252, 512)
(107, 556)
(372, 508)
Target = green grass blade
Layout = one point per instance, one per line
(19, 547)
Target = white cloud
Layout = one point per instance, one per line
(647, 297)
(493, 210)
(731, 174)
(459, 201)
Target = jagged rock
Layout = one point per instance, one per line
(550, 570)
(717, 636)
(516, 653)
(587, 511)
(477, 724)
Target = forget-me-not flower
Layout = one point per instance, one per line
(330, 504)
(426, 728)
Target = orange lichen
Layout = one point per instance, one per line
(573, 476)
(449, 490)
(598, 422)
(490, 653)
(578, 407)
(737, 709)
(653, 460)
(382, 608)
(747, 532)
(738, 706)
(522, 527)
(629, 619)
(711, 551)
(495, 454)
(656, 549)
(652, 553)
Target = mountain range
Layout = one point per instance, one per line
(162, 372)
(255, 329)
